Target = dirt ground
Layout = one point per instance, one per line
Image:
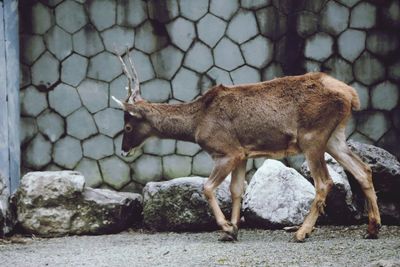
(328, 246)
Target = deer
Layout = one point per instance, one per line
(273, 119)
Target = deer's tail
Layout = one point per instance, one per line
(355, 100)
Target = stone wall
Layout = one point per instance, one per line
(181, 48)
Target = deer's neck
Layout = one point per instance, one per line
(176, 121)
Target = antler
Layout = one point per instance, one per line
(133, 93)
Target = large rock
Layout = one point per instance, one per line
(58, 203)
(386, 177)
(7, 220)
(277, 196)
(340, 208)
(180, 205)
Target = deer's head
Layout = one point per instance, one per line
(136, 128)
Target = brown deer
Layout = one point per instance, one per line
(277, 118)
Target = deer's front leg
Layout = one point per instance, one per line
(237, 187)
(223, 166)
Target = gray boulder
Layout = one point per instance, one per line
(386, 177)
(277, 196)
(7, 218)
(58, 203)
(180, 205)
(340, 208)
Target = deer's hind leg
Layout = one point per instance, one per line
(338, 148)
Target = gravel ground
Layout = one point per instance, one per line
(328, 246)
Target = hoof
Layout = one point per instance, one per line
(229, 236)
(373, 230)
(299, 237)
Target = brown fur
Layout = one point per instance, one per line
(276, 118)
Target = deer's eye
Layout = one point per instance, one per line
(128, 128)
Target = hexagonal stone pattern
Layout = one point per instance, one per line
(254, 4)
(258, 51)
(245, 74)
(363, 94)
(51, 125)
(104, 66)
(363, 16)
(98, 147)
(381, 43)
(94, 94)
(185, 85)
(307, 23)
(102, 13)
(67, 152)
(319, 46)
(202, 164)
(115, 172)
(368, 69)
(175, 166)
(242, 27)
(339, 68)
(159, 147)
(394, 71)
(349, 3)
(146, 40)
(131, 13)
(90, 170)
(198, 58)
(373, 124)
(109, 121)
(147, 168)
(117, 39)
(45, 70)
(24, 76)
(193, 10)
(187, 148)
(211, 29)
(224, 8)
(73, 69)
(59, 42)
(32, 101)
(41, 18)
(227, 55)
(166, 62)
(87, 41)
(70, 16)
(80, 124)
(351, 43)
(117, 89)
(272, 30)
(27, 129)
(163, 11)
(181, 32)
(156, 90)
(64, 99)
(36, 48)
(38, 153)
(273, 71)
(219, 76)
(385, 96)
(334, 18)
(142, 65)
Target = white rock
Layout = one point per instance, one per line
(245, 74)
(202, 164)
(73, 69)
(87, 41)
(51, 125)
(175, 166)
(166, 62)
(64, 99)
(98, 147)
(80, 124)
(363, 16)
(102, 13)
(193, 10)
(211, 29)
(33, 102)
(115, 172)
(90, 170)
(385, 96)
(109, 121)
(258, 51)
(117, 39)
(224, 8)
(45, 70)
(38, 153)
(159, 147)
(147, 168)
(157, 90)
(277, 196)
(227, 55)
(70, 16)
(181, 32)
(242, 27)
(185, 85)
(351, 43)
(319, 46)
(187, 148)
(199, 58)
(67, 152)
(94, 94)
